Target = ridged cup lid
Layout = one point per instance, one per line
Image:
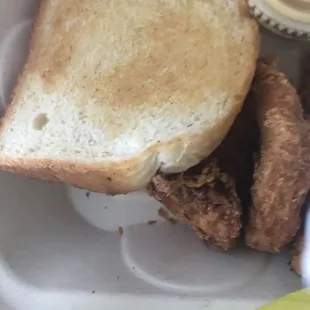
(289, 18)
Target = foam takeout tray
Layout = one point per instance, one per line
(60, 247)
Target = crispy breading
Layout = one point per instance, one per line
(281, 179)
(206, 197)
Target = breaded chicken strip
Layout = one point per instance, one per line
(281, 179)
(206, 197)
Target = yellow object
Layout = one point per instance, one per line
(299, 300)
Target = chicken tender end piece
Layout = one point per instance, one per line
(204, 198)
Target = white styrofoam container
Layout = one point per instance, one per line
(52, 258)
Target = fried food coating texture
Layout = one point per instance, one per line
(209, 196)
(204, 198)
(281, 178)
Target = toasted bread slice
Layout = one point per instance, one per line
(114, 91)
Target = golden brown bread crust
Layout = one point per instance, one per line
(281, 179)
(127, 175)
(112, 178)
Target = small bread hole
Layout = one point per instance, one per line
(40, 121)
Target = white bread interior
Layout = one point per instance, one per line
(114, 91)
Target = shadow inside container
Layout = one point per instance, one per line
(48, 246)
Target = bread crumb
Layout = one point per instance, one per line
(120, 230)
(87, 194)
(151, 222)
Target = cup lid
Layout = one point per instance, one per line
(290, 18)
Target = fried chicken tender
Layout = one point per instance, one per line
(281, 178)
(296, 252)
(206, 197)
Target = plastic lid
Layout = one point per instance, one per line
(298, 10)
(290, 18)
